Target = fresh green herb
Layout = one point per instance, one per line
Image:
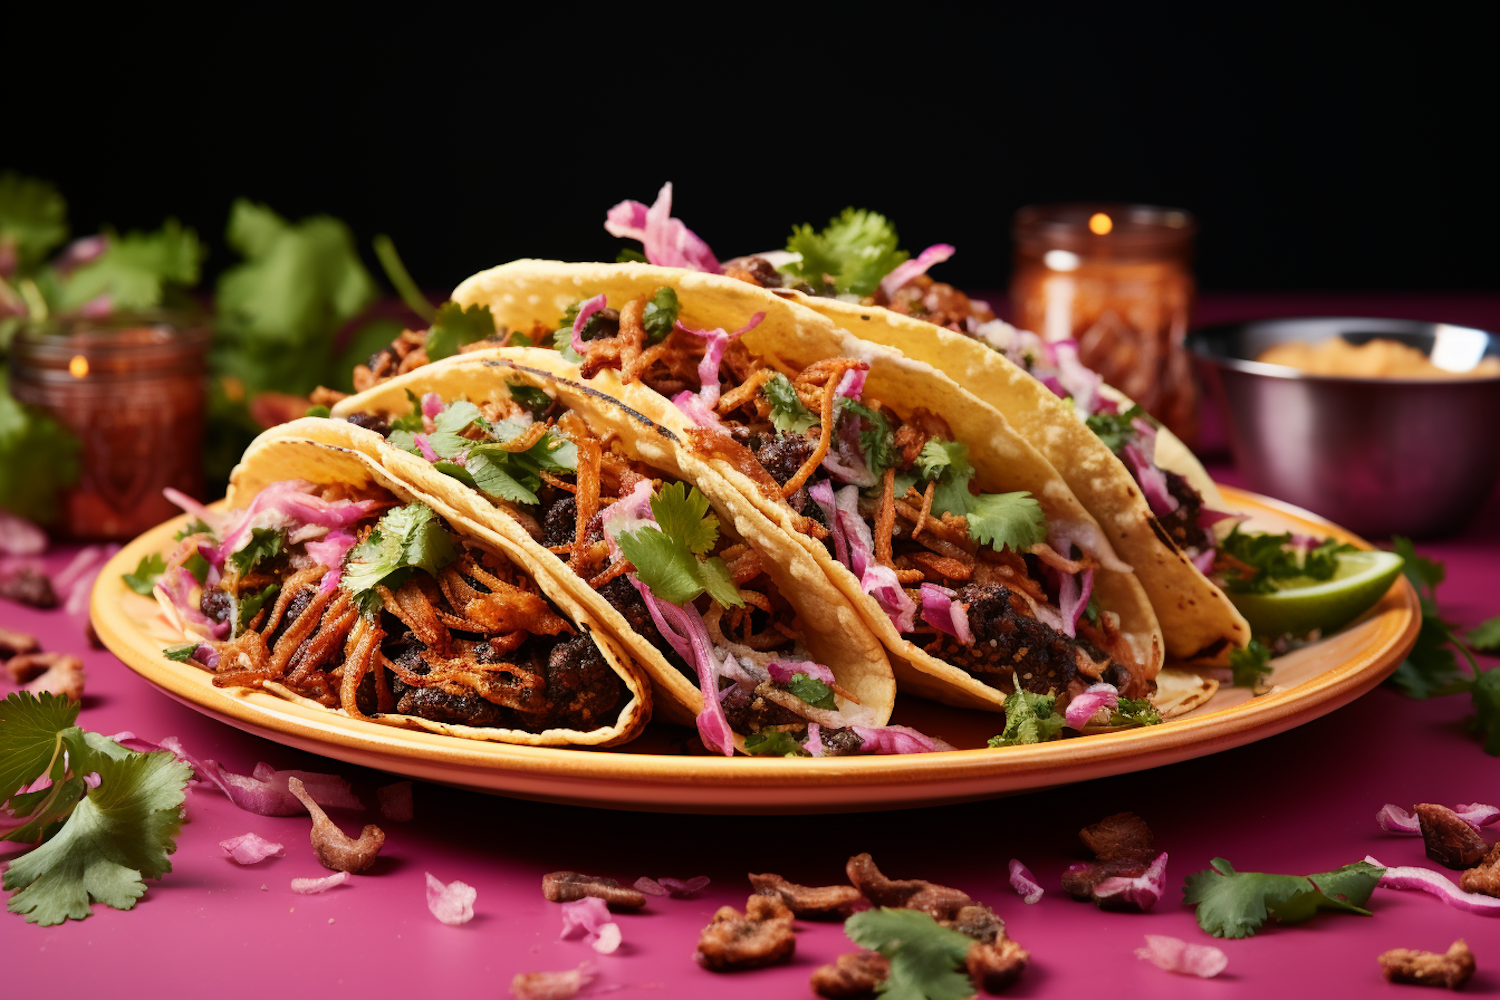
(455, 326)
(1485, 637)
(596, 326)
(407, 537)
(947, 462)
(412, 421)
(248, 606)
(264, 546)
(534, 400)
(193, 527)
(1485, 693)
(509, 475)
(562, 342)
(182, 653)
(1029, 718)
(851, 254)
(1115, 429)
(96, 844)
(875, 437)
(666, 555)
(1234, 904)
(813, 691)
(788, 415)
(38, 458)
(773, 743)
(1271, 560)
(927, 959)
(400, 278)
(318, 411)
(1091, 610)
(33, 219)
(136, 269)
(1007, 520)
(147, 571)
(493, 473)
(447, 438)
(1135, 712)
(1251, 664)
(630, 255)
(660, 315)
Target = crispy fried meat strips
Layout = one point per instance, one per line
(336, 850)
(13, 643)
(1450, 841)
(852, 976)
(48, 673)
(1122, 845)
(1484, 877)
(28, 586)
(1426, 968)
(809, 901)
(937, 901)
(936, 302)
(760, 936)
(994, 965)
(565, 887)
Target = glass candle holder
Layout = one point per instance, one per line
(131, 390)
(1118, 280)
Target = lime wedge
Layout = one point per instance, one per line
(1303, 605)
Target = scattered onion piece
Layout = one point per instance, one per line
(453, 904)
(266, 791)
(1024, 882)
(897, 739)
(1090, 702)
(308, 886)
(19, 537)
(649, 886)
(1176, 955)
(907, 270)
(1393, 819)
(395, 801)
(591, 915)
(251, 848)
(551, 985)
(1427, 880)
(1142, 892)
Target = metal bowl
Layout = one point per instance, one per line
(1379, 455)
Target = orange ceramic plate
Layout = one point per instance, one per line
(645, 774)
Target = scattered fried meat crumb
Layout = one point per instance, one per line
(1123, 847)
(13, 643)
(1485, 877)
(995, 965)
(1450, 841)
(565, 887)
(761, 936)
(336, 850)
(809, 901)
(851, 976)
(937, 901)
(29, 586)
(1427, 968)
(54, 673)
(551, 985)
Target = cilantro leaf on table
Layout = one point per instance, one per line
(788, 414)
(136, 269)
(927, 959)
(875, 437)
(454, 326)
(1006, 520)
(666, 554)
(33, 219)
(855, 250)
(38, 457)
(1432, 667)
(146, 572)
(660, 315)
(773, 743)
(1485, 637)
(1029, 718)
(264, 546)
(409, 537)
(1249, 666)
(32, 732)
(1235, 904)
(1135, 712)
(1114, 429)
(813, 691)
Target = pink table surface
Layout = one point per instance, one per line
(1300, 802)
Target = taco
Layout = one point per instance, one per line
(328, 582)
(965, 551)
(738, 626)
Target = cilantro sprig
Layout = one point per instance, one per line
(95, 844)
(669, 555)
(1114, 429)
(147, 571)
(1135, 712)
(927, 959)
(264, 546)
(851, 254)
(1249, 666)
(660, 315)
(1267, 561)
(1029, 718)
(404, 539)
(773, 743)
(454, 326)
(788, 413)
(1235, 904)
(813, 691)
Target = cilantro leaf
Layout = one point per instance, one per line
(685, 517)
(1270, 560)
(248, 606)
(813, 691)
(31, 744)
(455, 326)
(193, 527)
(146, 572)
(264, 546)
(875, 438)
(38, 457)
(663, 564)
(855, 250)
(630, 255)
(412, 421)
(1485, 637)
(33, 218)
(409, 536)
(660, 315)
(666, 554)
(1251, 664)
(1029, 718)
(1135, 712)
(136, 268)
(948, 463)
(116, 836)
(562, 341)
(1114, 429)
(182, 653)
(788, 414)
(1485, 693)
(927, 959)
(1006, 520)
(719, 584)
(536, 401)
(318, 411)
(1235, 904)
(1425, 574)
(773, 743)
(490, 473)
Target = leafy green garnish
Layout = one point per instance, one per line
(1135, 712)
(38, 457)
(1007, 520)
(630, 255)
(248, 606)
(813, 691)
(1485, 637)
(182, 653)
(875, 438)
(533, 399)
(97, 844)
(927, 959)
(562, 342)
(562, 339)
(773, 743)
(412, 421)
(146, 573)
(491, 473)
(193, 527)
(33, 218)
(855, 250)
(666, 555)
(1251, 664)
(1271, 560)
(1234, 904)
(660, 315)
(456, 326)
(395, 270)
(406, 537)
(136, 268)
(318, 411)
(264, 546)
(788, 414)
(1115, 429)
(1029, 718)
(947, 462)
(1485, 693)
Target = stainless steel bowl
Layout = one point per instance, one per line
(1380, 456)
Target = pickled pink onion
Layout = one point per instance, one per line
(1024, 882)
(1142, 892)
(906, 271)
(665, 240)
(1439, 885)
(1090, 702)
(585, 312)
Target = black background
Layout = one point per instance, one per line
(1345, 157)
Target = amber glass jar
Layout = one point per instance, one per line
(131, 389)
(1117, 279)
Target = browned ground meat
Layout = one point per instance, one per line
(1007, 639)
(28, 586)
(748, 712)
(624, 598)
(371, 422)
(455, 709)
(583, 692)
(756, 271)
(784, 454)
(1182, 524)
(1122, 845)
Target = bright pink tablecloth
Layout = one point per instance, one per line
(1300, 802)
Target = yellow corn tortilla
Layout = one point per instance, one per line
(650, 430)
(318, 451)
(792, 337)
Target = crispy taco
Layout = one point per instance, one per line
(329, 582)
(964, 549)
(740, 629)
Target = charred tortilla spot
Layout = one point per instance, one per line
(603, 397)
(1161, 532)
